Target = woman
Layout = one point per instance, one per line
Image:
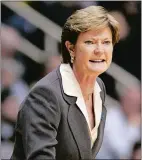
(64, 114)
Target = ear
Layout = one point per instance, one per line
(70, 47)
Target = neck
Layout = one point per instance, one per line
(86, 83)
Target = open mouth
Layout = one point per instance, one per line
(97, 61)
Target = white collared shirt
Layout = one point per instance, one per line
(71, 87)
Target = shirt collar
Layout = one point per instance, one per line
(71, 86)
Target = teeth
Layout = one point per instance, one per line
(98, 60)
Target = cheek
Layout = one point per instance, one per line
(109, 55)
(81, 54)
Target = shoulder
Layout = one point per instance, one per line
(50, 83)
(50, 79)
(47, 88)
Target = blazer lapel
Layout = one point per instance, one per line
(77, 124)
(99, 139)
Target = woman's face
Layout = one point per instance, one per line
(93, 51)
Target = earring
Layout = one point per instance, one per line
(72, 59)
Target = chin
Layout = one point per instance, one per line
(98, 70)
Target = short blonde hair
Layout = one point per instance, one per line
(86, 19)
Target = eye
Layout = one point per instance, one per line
(107, 42)
(89, 42)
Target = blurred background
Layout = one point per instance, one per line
(30, 49)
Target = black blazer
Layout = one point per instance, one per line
(51, 126)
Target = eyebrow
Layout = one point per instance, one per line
(101, 38)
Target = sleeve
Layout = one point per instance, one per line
(38, 121)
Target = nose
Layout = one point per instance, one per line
(99, 49)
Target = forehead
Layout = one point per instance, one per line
(93, 33)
